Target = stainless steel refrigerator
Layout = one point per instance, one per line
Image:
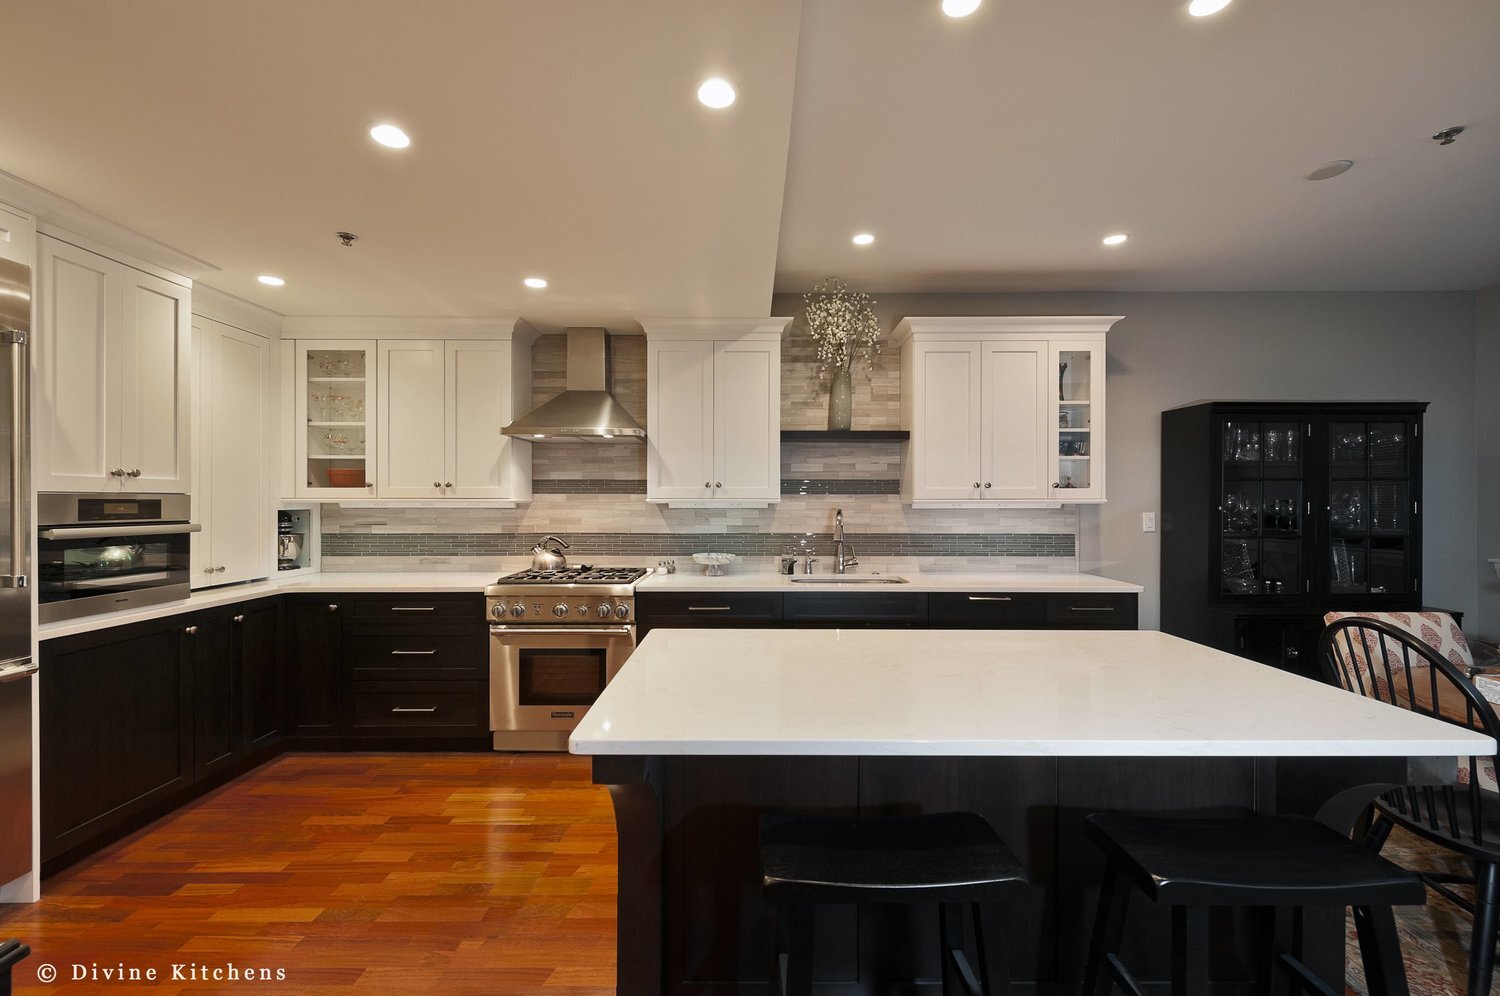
(16, 665)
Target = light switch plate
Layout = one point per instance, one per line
(1148, 522)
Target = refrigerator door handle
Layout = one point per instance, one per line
(21, 669)
(17, 340)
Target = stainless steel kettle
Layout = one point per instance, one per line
(549, 558)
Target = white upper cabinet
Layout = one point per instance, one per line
(336, 445)
(234, 425)
(1003, 410)
(410, 400)
(486, 386)
(112, 375)
(17, 235)
(713, 411)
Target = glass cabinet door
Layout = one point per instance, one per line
(1369, 507)
(336, 400)
(1262, 508)
(1079, 460)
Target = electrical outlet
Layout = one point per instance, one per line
(1148, 522)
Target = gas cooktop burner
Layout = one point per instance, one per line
(583, 574)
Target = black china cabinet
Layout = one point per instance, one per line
(1276, 512)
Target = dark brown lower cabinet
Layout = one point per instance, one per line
(117, 725)
(256, 638)
(218, 734)
(315, 648)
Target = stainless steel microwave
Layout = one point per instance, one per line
(106, 552)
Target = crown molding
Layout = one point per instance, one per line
(210, 302)
(73, 223)
(714, 328)
(395, 327)
(975, 326)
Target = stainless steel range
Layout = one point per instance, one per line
(556, 639)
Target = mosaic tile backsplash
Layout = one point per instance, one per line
(594, 496)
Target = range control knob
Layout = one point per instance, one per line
(498, 610)
(603, 610)
(518, 610)
(560, 609)
(622, 611)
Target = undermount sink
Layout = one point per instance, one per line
(849, 579)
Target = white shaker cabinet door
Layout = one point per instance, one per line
(154, 384)
(680, 420)
(238, 435)
(1014, 422)
(481, 461)
(76, 396)
(412, 446)
(747, 421)
(947, 441)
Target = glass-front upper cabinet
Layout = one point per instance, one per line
(1262, 508)
(335, 418)
(1079, 443)
(1369, 510)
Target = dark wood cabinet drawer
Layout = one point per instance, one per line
(416, 610)
(885, 608)
(418, 708)
(704, 610)
(987, 610)
(386, 656)
(1092, 610)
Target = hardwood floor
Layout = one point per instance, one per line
(375, 873)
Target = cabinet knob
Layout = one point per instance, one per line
(436, 484)
(191, 630)
(718, 484)
(208, 570)
(219, 569)
(986, 484)
(976, 484)
(134, 473)
(1057, 484)
(239, 619)
(333, 608)
(448, 484)
(708, 484)
(117, 472)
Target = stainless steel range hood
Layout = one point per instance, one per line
(585, 411)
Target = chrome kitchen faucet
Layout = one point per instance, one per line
(843, 555)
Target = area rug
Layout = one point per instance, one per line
(1435, 937)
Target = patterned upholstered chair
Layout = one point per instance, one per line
(1419, 662)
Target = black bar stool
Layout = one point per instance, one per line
(950, 859)
(11, 952)
(1260, 862)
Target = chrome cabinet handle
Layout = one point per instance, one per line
(106, 532)
(986, 485)
(20, 670)
(710, 608)
(583, 632)
(238, 619)
(976, 484)
(191, 630)
(413, 608)
(1057, 484)
(414, 709)
(412, 653)
(989, 598)
(134, 473)
(333, 608)
(1091, 608)
(117, 472)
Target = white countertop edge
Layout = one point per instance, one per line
(692, 579)
(1480, 745)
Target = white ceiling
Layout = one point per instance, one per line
(994, 153)
(562, 138)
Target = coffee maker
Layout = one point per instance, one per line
(289, 542)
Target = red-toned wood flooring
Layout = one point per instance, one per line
(375, 873)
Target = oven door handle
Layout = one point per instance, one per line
(113, 532)
(561, 630)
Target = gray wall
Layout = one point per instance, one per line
(1172, 349)
(1487, 396)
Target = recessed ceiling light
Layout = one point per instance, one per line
(1332, 169)
(538, 435)
(716, 93)
(1203, 8)
(863, 239)
(960, 8)
(270, 281)
(536, 283)
(1117, 238)
(390, 136)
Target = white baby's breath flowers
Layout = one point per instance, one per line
(843, 324)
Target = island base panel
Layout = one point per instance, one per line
(692, 920)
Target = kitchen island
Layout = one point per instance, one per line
(703, 730)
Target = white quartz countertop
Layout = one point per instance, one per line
(457, 581)
(433, 581)
(692, 578)
(970, 693)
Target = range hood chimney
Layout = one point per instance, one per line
(585, 411)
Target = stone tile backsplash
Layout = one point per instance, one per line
(594, 495)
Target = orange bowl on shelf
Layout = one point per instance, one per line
(346, 477)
